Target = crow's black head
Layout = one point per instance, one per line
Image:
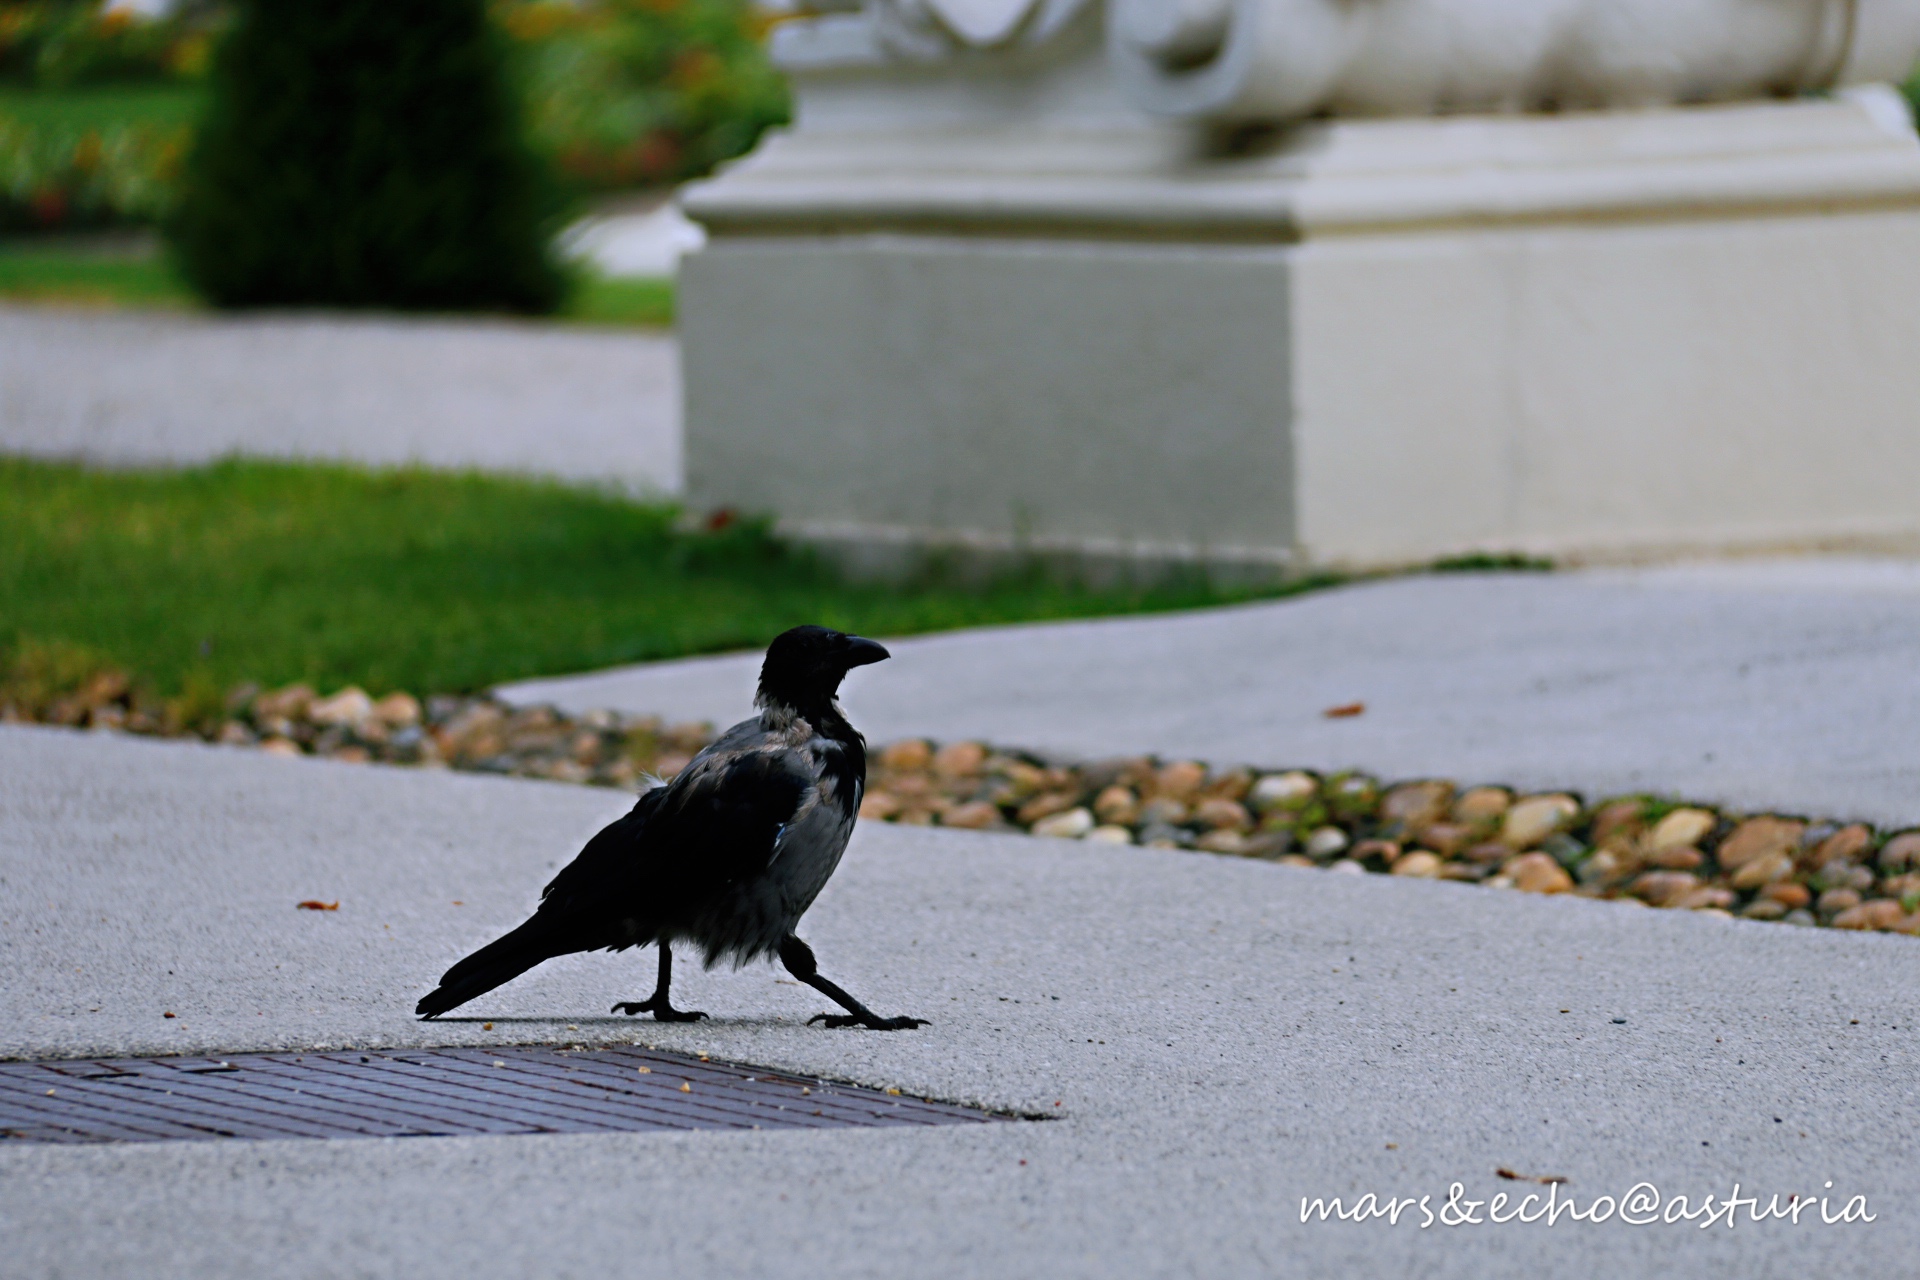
(805, 666)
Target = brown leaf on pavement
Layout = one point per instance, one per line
(1545, 1180)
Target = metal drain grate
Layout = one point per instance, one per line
(429, 1092)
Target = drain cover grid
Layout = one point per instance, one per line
(429, 1092)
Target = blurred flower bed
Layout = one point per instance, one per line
(68, 179)
(72, 176)
(619, 94)
(632, 93)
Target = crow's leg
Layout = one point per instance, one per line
(657, 1004)
(798, 957)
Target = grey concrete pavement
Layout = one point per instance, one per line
(149, 388)
(1223, 1037)
(1791, 684)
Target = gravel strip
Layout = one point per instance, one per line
(1642, 850)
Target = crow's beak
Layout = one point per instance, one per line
(861, 652)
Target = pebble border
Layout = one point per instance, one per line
(1638, 849)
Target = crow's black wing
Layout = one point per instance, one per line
(606, 866)
(723, 826)
(716, 824)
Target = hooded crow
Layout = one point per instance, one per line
(728, 856)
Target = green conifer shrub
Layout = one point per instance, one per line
(365, 153)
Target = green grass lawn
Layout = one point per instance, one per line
(102, 106)
(65, 272)
(621, 301)
(426, 581)
(78, 272)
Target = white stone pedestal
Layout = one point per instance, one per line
(1348, 343)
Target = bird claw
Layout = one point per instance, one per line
(832, 1020)
(660, 1009)
(678, 1015)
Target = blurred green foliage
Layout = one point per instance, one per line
(96, 106)
(625, 93)
(57, 44)
(365, 153)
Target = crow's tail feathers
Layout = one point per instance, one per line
(498, 962)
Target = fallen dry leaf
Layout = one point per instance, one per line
(168, 1014)
(645, 1071)
(314, 904)
(1545, 1180)
(1344, 711)
(486, 1026)
(686, 1086)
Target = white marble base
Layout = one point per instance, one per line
(1369, 343)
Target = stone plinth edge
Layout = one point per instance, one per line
(1855, 150)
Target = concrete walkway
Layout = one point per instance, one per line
(149, 388)
(1218, 1039)
(1791, 684)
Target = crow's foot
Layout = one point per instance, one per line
(870, 1023)
(659, 1008)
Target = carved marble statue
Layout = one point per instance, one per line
(939, 28)
(1284, 59)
